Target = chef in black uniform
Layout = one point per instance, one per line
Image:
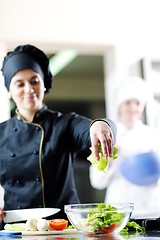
(38, 145)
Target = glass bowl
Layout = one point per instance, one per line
(99, 218)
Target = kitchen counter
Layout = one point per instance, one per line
(150, 235)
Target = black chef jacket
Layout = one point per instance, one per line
(36, 159)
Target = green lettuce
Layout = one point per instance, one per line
(103, 216)
(102, 163)
(133, 227)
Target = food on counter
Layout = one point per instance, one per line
(105, 220)
(31, 224)
(34, 224)
(132, 227)
(102, 163)
(15, 227)
(42, 225)
(58, 224)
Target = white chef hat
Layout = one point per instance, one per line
(132, 88)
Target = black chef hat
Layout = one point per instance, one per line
(26, 57)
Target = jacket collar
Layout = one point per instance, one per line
(37, 116)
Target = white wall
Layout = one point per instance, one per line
(4, 106)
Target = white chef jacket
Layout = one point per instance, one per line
(141, 138)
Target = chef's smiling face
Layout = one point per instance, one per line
(130, 111)
(27, 90)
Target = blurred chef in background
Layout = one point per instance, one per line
(133, 137)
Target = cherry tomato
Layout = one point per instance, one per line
(109, 229)
(58, 224)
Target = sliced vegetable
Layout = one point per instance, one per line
(34, 224)
(15, 227)
(58, 224)
(109, 229)
(102, 163)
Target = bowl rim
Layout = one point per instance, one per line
(78, 207)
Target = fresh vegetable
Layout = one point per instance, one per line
(133, 227)
(31, 224)
(42, 225)
(104, 219)
(109, 229)
(58, 224)
(38, 224)
(70, 227)
(102, 163)
(15, 227)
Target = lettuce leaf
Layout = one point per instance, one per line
(103, 216)
(133, 227)
(102, 163)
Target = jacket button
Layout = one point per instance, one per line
(12, 154)
(37, 128)
(35, 152)
(14, 129)
(37, 179)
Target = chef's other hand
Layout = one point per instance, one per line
(101, 133)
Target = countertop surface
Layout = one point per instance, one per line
(155, 235)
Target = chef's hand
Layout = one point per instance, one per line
(2, 224)
(101, 132)
(1, 214)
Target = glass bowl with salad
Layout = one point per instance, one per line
(99, 218)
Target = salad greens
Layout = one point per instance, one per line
(102, 163)
(133, 227)
(103, 218)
